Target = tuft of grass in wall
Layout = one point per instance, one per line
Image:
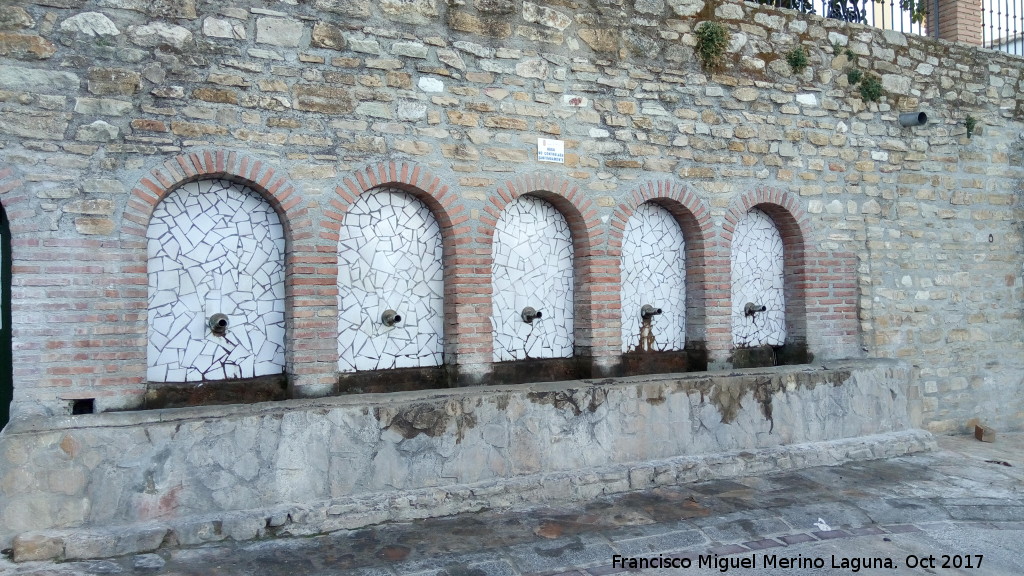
(971, 123)
(712, 41)
(797, 59)
(853, 76)
(871, 88)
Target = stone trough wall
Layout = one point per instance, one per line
(303, 466)
(897, 242)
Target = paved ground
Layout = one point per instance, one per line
(956, 511)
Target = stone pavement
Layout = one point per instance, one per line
(962, 506)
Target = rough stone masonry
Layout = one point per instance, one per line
(910, 243)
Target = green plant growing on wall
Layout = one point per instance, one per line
(712, 40)
(797, 59)
(853, 75)
(971, 122)
(871, 88)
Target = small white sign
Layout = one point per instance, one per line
(550, 151)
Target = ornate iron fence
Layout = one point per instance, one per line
(1003, 25)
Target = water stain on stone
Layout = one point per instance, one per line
(727, 396)
(574, 546)
(429, 419)
(574, 399)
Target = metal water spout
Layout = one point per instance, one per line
(530, 314)
(749, 309)
(218, 324)
(648, 311)
(390, 317)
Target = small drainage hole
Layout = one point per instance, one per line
(83, 406)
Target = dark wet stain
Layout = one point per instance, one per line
(577, 400)
(429, 419)
(727, 395)
(574, 546)
(393, 553)
(233, 391)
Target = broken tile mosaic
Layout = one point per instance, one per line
(654, 273)
(757, 282)
(390, 258)
(215, 247)
(532, 266)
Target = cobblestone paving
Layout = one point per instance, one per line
(965, 501)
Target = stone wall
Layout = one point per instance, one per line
(900, 242)
(304, 466)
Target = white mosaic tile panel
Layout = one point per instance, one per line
(389, 257)
(654, 273)
(215, 247)
(757, 278)
(532, 253)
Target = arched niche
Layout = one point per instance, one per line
(390, 258)
(653, 272)
(532, 267)
(757, 265)
(215, 247)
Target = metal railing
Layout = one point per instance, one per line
(1002, 24)
(995, 24)
(909, 16)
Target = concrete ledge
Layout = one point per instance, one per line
(352, 513)
(186, 476)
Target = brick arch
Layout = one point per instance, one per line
(693, 215)
(451, 217)
(595, 291)
(14, 201)
(250, 171)
(238, 167)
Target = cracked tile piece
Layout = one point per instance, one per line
(215, 247)
(653, 272)
(757, 279)
(532, 266)
(389, 258)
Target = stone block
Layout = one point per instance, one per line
(39, 126)
(30, 547)
(160, 34)
(223, 28)
(15, 18)
(322, 98)
(95, 206)
(545, 16)
(353, 8)
(984, 433)
(90, 24)
(410, 11)
(37, 81)
(327, 35)
(94, 226)
(103, 81)
(25, 46)
(98, 131)
(279, 31)
(488, 26)
(600, 39)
